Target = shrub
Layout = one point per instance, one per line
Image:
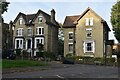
(69, 55)
(18, 52)
(5, 54)
(25, 54)
(49, 55)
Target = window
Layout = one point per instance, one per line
(89, 21)
(70, 47)
(89, 33)
(70, 35)
(18, 43)
(39, 19)
(19, 32)
(89, 46)
(20, 21)
(39, 40)
(29, 31)
(39, 30)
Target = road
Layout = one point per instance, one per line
(70, 71)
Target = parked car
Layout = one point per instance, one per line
(67, 61)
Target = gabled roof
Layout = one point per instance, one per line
(47, 16)
(69, 21)
(29, 17)
(88, 9)
(32, 17)
(20, 14)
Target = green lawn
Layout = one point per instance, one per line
(21, 63)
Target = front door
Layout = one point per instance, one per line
(29, 44)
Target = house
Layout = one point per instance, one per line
(32, 29)
(86, 35)
(7, 38)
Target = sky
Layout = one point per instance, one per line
(63, 8)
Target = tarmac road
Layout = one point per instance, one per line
(69, 71)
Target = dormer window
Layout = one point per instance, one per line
(39, 19)
(20, 21)
(89, 21)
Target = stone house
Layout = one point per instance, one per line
(7, 39)
(32, 29)
(86, 35)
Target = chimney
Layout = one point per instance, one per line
(53, 15)
(10, 25)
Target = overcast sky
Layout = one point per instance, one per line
(62, 7)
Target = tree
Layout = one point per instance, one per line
(61, 40)
(3, 6)
(115, 20)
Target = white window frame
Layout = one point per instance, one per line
(87, 31)
(91, 21)
(69, 35)
(20, 21)
(27, 31)
(39, 38)
(69, 49)
(85, 46)
(19, 32)
(87, 21)
(40, 19)
(42, 31)
(20, 45)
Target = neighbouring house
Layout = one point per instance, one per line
(33, 29)
(87, 35)
(7, 37)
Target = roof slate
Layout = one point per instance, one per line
(32, 17)
(69, 21)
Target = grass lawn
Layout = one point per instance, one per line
(21, 63)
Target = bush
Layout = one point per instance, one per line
(25, 54)
(18, 52)
(69, 55)
(91, 60)
(8, 54)
(5, 54)
(49, 55)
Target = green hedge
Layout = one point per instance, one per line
(90, 60)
